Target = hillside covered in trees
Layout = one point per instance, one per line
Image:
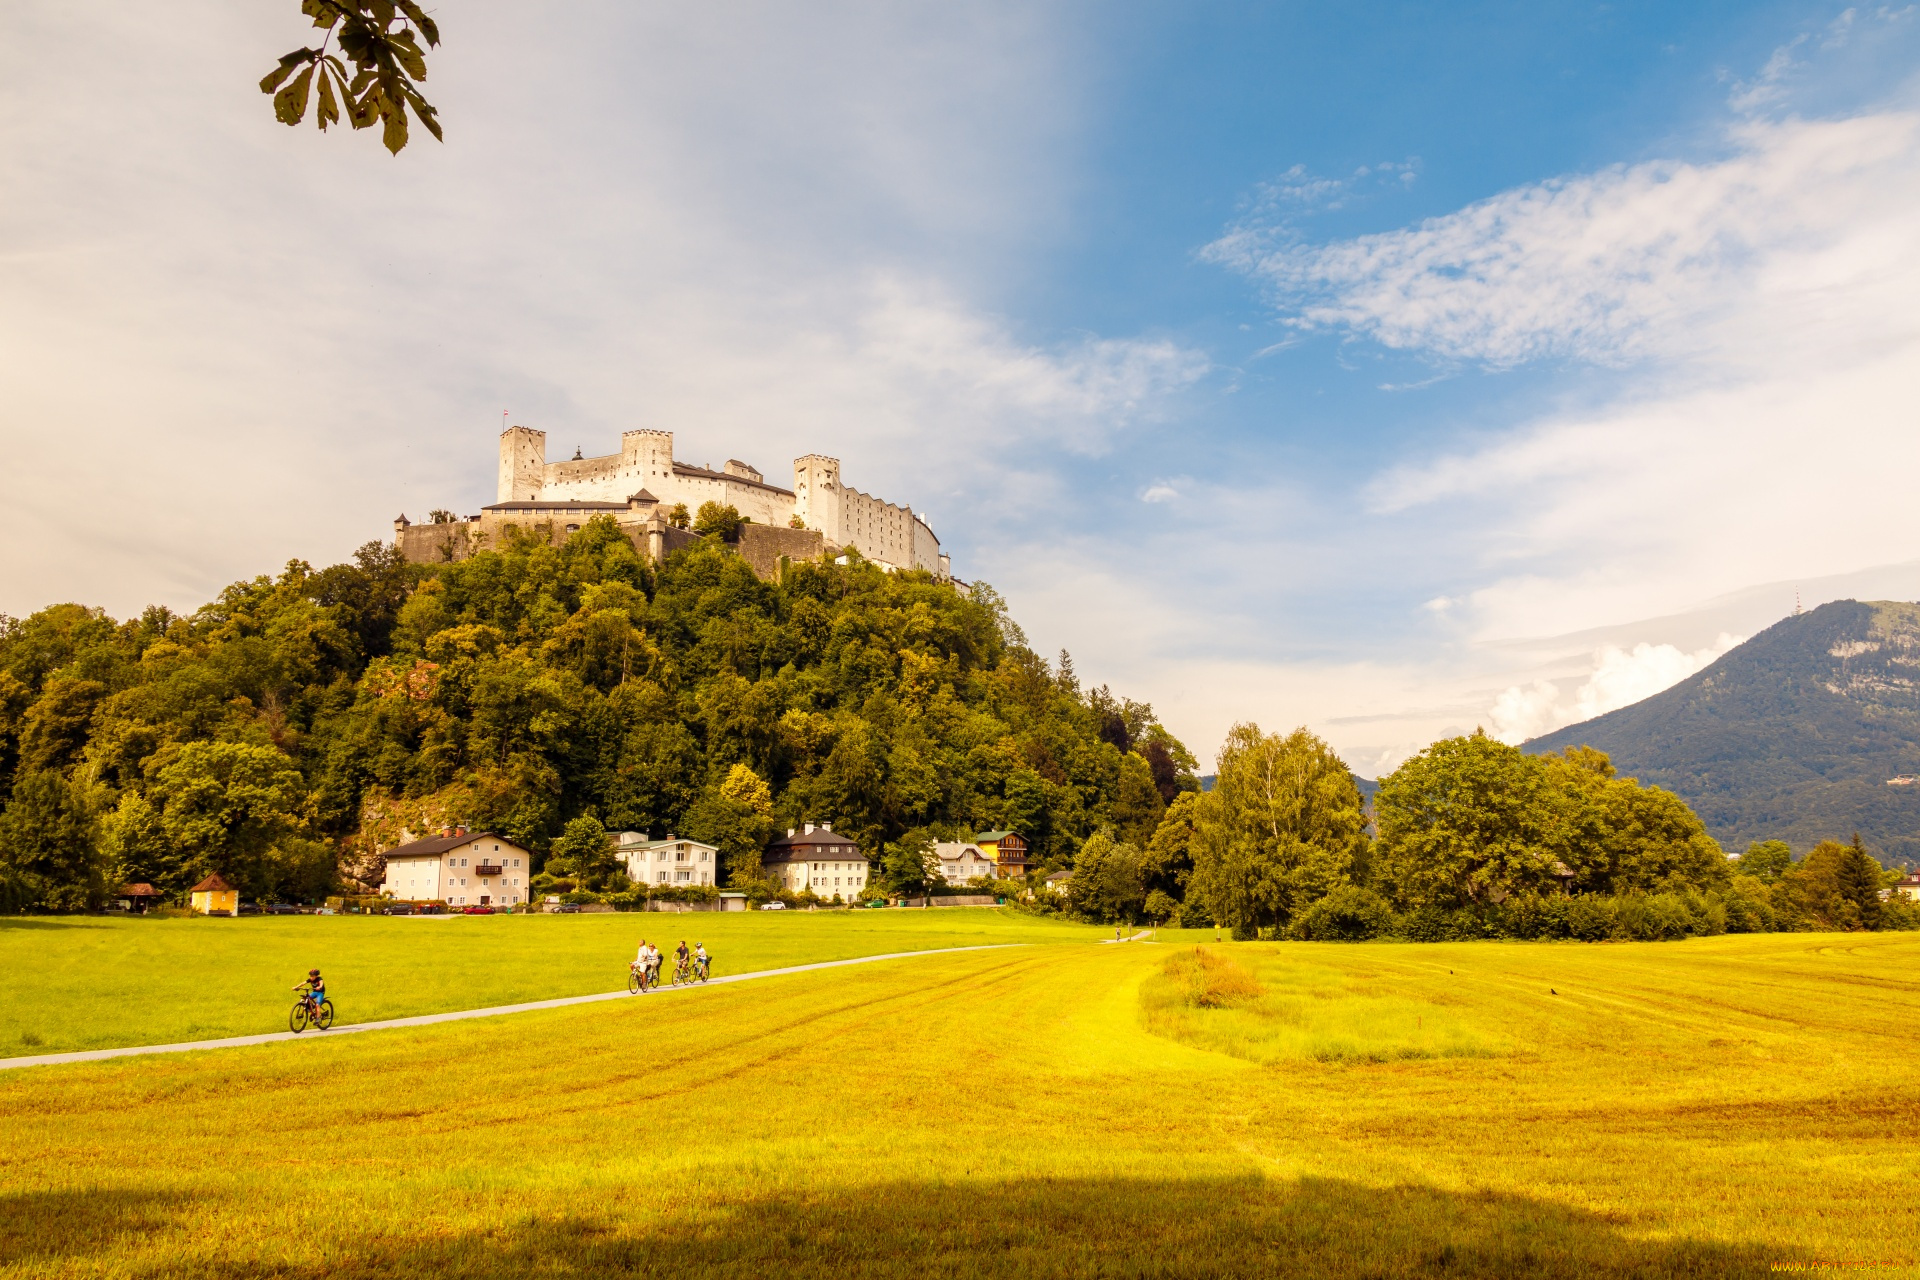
(1793, 735)
(286, 732)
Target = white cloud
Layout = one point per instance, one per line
(1625, 263)
(1619, 678)
(1159, 492)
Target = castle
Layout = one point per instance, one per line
(642, 484)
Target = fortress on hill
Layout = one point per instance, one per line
(642, 484)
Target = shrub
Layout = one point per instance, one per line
(1590, 919)
(1348, 914)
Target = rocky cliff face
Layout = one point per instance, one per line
(1811, 729)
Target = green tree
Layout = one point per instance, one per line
(1282, 827)
(716, 520)
(584, 854)
(1468, 820)
(1766, 860)
(909, 865)
(1137, 807)
(1108, 880)
(49, 844)
(736, 817)
(1169, 855)
(678, 516)
(1837, 886)
(378, 37)
(1618, 836)
(226, 807)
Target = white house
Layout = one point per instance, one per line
(459, 868)
(960, 863)
(673, 861)
(818, 858)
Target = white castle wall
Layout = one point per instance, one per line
(882, 531)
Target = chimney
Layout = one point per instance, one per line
(826, 826)
(809, 828)
(789, 833)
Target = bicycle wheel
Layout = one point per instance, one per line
(633, 982)
(297, 1020)
(323, 1016)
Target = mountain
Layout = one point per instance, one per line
(1794, 735)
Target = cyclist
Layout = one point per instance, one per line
(313, 990)
(653, 965)
(642, 961)
(680, 958)
(701, 961)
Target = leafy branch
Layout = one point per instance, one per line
(378, 38)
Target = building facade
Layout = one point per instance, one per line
(461, 869)
(214, 897)
(819, 859)
(960, 863)
(1008, 849)
(673, 861)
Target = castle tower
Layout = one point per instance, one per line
(523, 464)
(650, 453)
(816, 494)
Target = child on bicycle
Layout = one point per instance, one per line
(701, 961)
(314, 989)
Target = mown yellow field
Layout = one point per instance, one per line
(87, 982)
(1714, 1107)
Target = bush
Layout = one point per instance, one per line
(1348, 914)
(1590, 919)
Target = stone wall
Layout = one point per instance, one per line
(761, 546)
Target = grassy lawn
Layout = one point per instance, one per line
(1712, 1107)
(96, 983)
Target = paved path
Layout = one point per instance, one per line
(428, 1019)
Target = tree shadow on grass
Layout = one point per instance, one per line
(1225, 1227)
(37, 1225)
(48, 922)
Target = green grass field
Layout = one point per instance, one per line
(1721, 1106)
(97, 983)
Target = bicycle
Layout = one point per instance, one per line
(702, 969)
(306, 1013)
(640, 978)
(682, 973)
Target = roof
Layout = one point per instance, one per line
(628, 846)
(817, 836)
(986, 836)
(569, 506)
(443, 844)
(951, 851)
(1058, 876)
(138, 891)
(213, 884)
(707, 473)
(642, 496)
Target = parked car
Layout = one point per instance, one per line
(565, 908)
(399, 909)
(280, 909)
(326, 911)
(482, 911)
(773, 906)
(248, 909)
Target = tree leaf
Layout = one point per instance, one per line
(395, 115)
(273, 79)
(290, 104)
(324, 14)
(329, 112)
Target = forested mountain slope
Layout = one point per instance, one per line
(1792, 735)
(303, 720)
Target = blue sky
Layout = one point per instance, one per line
(1387, 369)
